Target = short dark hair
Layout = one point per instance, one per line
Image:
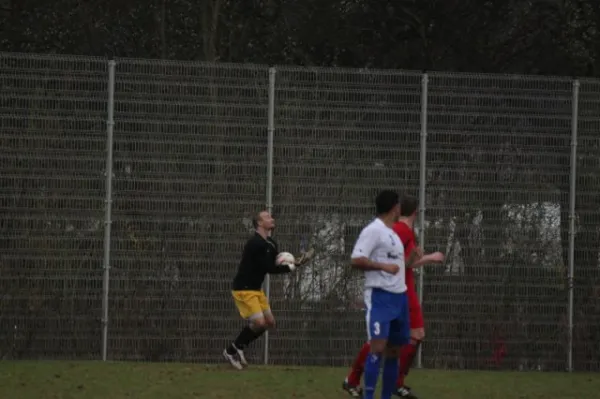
(256, 218)
(385, 201)
(408, 205)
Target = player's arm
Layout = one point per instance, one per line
(268, 264)
(364, 247)
(280, 269)
(273, 268)
(366, 264)
(414, 253)
(436, 257)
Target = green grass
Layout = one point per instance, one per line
(91, 380)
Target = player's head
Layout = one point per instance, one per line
(409, 206)
(387, 203)
(263, 220)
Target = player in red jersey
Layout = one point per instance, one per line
(415, 258)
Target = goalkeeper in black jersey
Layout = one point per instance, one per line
(258, 259)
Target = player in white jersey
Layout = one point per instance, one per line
(380, 254)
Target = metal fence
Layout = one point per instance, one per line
(127, 188)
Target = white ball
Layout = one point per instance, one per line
(285, 258)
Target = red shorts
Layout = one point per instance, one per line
(414, 308)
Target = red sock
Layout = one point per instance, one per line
(358, 365)
(407, 354)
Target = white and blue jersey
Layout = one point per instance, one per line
(385, 293)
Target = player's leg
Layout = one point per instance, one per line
(391, 365)
(249, 306)
(408, 352)
(378, 318)
(399, 334)
(352, 382)
(373, 363)
(266, 309)
(257, 324)
(407, 356)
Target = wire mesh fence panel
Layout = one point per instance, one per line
(341, 136)
(586, 354)
(497, 204)
(190, 168)
(52, 140)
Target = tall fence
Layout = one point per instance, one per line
(127, 189)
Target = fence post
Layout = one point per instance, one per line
(269, 197)
(110, 123)
(572, 196)
(422, 178)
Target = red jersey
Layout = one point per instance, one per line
(407, 236)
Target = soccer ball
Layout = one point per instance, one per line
(285, 258)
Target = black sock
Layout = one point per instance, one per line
(256, 336)
(246, 336)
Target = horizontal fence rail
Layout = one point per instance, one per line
(128, 188)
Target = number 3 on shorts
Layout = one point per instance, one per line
(376, 328)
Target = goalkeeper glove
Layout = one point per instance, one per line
(305, 257)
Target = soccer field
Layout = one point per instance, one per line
(91, 380)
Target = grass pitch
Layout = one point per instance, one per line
(95, 380)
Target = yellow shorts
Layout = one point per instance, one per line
(251, 304)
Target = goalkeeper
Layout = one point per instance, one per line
(258, 259)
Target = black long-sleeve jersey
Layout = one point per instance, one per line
(258, 259)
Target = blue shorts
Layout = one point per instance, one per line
(387, 316)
